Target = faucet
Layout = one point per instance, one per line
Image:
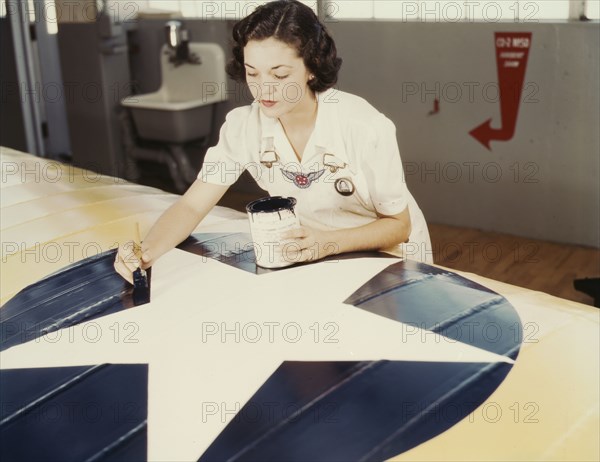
(178, 44)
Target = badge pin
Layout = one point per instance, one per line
(333, 163)
(268, 158)
(344, 186)
(301, 180)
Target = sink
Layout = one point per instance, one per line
(182, 109)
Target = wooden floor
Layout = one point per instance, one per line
(534, 264)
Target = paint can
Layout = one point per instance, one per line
(269, 218)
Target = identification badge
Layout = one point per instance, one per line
(344, 186)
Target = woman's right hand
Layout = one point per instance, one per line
(131, 256)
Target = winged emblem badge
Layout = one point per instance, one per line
(301, 180)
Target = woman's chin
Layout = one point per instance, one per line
(270, 112)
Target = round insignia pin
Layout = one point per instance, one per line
(344, 186)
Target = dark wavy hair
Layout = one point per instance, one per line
(297, 25)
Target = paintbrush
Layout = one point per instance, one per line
(141, 286)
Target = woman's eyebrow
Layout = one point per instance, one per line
(273, 68)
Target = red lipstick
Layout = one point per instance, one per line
(267, 103)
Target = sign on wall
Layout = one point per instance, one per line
(512, 51)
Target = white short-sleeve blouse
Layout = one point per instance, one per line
(350, 171)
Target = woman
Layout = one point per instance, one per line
(332, 151)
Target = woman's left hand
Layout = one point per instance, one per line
(307, 244)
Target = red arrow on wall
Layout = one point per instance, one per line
(512, 51)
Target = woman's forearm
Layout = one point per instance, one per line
(306, 244)
(179, 220)
(173, 226)
(382, 233)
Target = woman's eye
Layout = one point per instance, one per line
(248, 74)
(281, 77)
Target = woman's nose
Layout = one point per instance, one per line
(268, 88)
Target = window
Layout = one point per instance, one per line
(210, 9)
(592, 9)
(404, 10)
(451, 11)
(358, 9)
(42, 10)
(49, 14)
